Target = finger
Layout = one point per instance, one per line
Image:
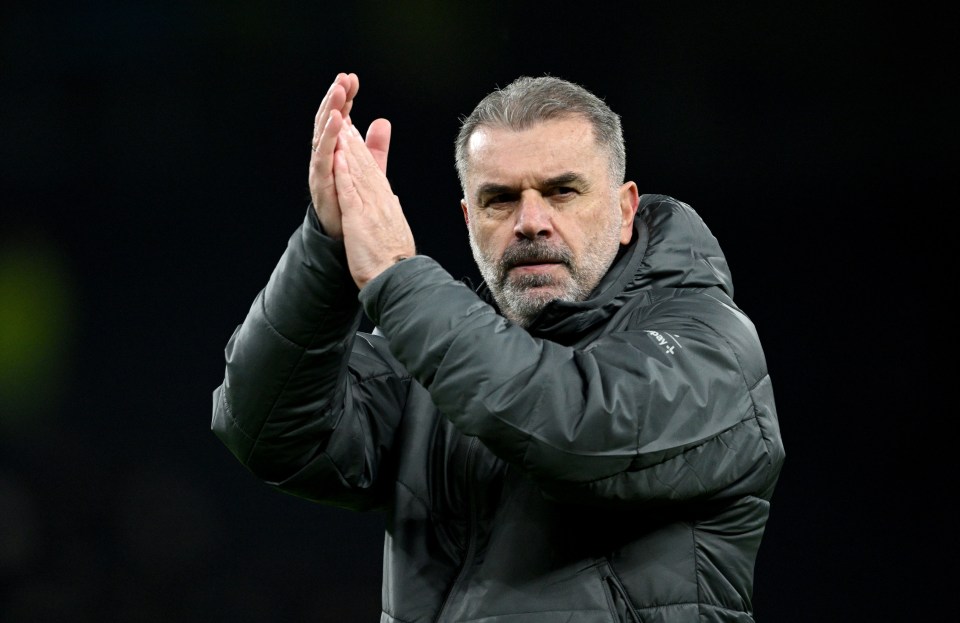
(349, 172)
(347, 194)
(351, 86)
(378, 141)
(324, 107)
(335, 103)
(323, 149)
(333, 99)
(361, 161)
(345, 157)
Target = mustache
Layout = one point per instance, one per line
(535, 252)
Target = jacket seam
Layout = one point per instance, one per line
(395, 619)
(759, 381)
(767, 441)
(231, 418)
(701, 607)
(333, 459)
(416, 496)
(631, 607)
(748, 386)
(681, 455)
(749, 389)
(697, 570)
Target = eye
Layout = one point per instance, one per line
(563, 192)
(498, 200)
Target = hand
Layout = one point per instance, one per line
(332, 116)
(375, 231)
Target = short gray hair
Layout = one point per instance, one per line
(528, 101)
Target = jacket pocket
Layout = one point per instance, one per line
(620, 605)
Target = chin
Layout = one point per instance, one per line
(537, 298)
(526, 297)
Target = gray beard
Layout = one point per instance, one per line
(516, 295)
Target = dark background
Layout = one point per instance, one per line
(154, 159)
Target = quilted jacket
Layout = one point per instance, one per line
(614, 461)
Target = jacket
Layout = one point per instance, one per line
(614, 461)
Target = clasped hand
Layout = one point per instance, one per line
(349, 186)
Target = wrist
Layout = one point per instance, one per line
(327, 224)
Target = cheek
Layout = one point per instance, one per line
(480, 240)
(588, 233)
(490, 235)
(578, 234)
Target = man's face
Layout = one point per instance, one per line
(544, 217)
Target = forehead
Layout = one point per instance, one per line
(547, 149)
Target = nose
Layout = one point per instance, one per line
(534, 216)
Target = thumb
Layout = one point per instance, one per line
(378, 141)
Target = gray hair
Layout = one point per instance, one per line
(528, 101)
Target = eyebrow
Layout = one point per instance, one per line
(564, 179)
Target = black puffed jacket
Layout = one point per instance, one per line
(612, 462)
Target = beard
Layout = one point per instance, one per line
(522, 296)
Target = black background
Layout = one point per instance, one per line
(154, 158)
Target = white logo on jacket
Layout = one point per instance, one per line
(659, 338)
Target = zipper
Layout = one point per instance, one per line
(615, 586)
(472, 521)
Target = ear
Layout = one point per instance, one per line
(466, 213)
(629, 202)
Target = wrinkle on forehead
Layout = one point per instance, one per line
(502, 155)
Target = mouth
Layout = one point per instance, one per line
(538, 261)
(534, 266)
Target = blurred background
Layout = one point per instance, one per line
(154, 159)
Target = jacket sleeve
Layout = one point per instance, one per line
(307, 404)
(622, 421)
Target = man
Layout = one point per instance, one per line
(591, 438)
